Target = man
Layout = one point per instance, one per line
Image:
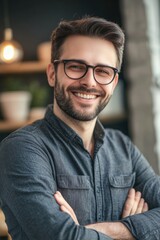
(65, 177)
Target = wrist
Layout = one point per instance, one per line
(115, 230)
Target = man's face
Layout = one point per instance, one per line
(83, 99)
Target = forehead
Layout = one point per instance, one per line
(93, 50)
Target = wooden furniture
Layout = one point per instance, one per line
(23, 67)
(30, 67)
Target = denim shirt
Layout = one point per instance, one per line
(47, 156)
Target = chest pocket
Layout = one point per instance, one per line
(76, 191)
(119, 186)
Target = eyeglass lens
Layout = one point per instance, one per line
(76, 70)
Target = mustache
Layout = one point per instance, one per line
(85, 89)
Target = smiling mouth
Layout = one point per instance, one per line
(85, 96)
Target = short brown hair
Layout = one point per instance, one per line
(88, 26)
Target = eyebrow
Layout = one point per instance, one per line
(83, 61)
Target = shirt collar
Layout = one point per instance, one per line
(68, 132)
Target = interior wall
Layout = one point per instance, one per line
(153, 32)
(33, 20)
(139, 74)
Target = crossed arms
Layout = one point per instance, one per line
(34, 186)
(134, 204)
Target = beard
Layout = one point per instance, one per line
(67, 104)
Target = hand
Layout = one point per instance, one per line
(105, 228)
(3, 226)
(134, 204)
(115, 230)
(65, 207)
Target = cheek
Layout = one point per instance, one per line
(61, 85)
(109, 90)
(62, 79)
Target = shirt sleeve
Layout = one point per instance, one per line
(27, 189)
(146, 225)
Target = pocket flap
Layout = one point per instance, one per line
(122, 181)
(73, 181)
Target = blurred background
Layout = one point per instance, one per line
(135, 106)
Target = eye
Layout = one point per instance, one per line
(75, 66)
(104, 71)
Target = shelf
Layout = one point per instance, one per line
(11, 126)
(23, 67)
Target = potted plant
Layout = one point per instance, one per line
(23, 98)
(14, 101)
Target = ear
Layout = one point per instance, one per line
(51, 74)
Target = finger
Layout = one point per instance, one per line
(65, 207)
(137, 201)
(71, 213)
(140, 206)
(145, 207)
(129, 203)
(63, 204)
(60, 200)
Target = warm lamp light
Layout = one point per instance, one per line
(10, 50)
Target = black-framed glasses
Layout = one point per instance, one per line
(77, 69)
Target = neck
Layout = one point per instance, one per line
(84, 129)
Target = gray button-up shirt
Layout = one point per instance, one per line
(47, 156)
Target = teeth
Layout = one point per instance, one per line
(86, 96)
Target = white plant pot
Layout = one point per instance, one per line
(15, 105)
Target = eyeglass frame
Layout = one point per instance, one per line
(64, 61)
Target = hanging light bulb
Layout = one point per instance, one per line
(10, 50)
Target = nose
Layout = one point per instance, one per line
(88, 80)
